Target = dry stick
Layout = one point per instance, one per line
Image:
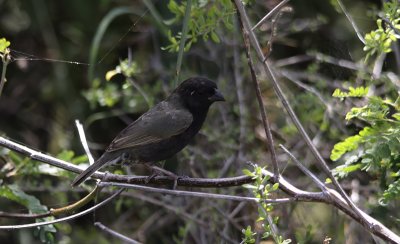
(266, 125)
(124, 238)
(82, 137)
(74, 216)
(160, 180)
(195, 194)
(24, 215)
(278, 90)
(360, 36)
(270, 13)
(305, 170)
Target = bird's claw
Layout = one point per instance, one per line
(150, 177)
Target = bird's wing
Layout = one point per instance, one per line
(161, 122)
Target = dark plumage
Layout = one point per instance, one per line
(162, 131)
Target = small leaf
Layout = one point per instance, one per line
(247, 172)
(4, 44)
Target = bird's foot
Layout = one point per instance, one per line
(157, 171)
(150, 177)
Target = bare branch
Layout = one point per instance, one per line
(266, 124)
(360, 36)
(305, 170)
(270, 13)
(115, 234)
(82, 137)
(194, 194)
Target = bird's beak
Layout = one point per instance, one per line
(217, 96)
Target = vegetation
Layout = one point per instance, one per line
(106, 63)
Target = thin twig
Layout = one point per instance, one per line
(266, 124)
(360, 36)
(306, 87)
(270, 13)
(6, 58)
(193, 194)
(24, 215)
(305, 170)
(84, 143)
(74, 216)
(115, 234)
(339, 62)
(378, 65)
(182, 42)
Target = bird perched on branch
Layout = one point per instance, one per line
(162, 131)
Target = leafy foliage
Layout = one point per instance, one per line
(376, 148)
(261, 189)
(205, 17)
(110, 93)
(14, 193)
(353, 92)
(380, 40)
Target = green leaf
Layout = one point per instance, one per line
(13, 193)
(353, 92)
(4, 44)
(349, 144)
(247, 172)
(215, 37)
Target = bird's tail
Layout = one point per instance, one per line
(103, 160)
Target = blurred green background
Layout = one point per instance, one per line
(132, 68)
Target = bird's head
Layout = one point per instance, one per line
(199, 92)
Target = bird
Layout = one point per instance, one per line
(162, 131)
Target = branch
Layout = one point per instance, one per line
(125, 239)
(159, 180)
(359, 35)
(194, 194)
(297, 194)
(270, 13)
(279, 92)
(266, 125)
(74, 216)
(336, 200)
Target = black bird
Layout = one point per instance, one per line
(162, 131)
